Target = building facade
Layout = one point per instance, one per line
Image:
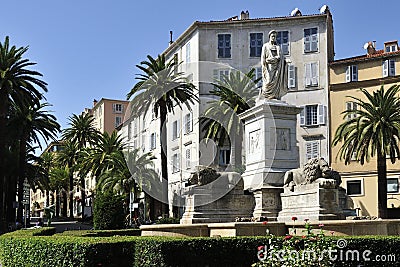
(212, 49)
(369, 71)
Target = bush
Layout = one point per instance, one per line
(108, 212)
(41, 231)
(168, 220)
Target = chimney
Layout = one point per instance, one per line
(170, 38)
(94, 102)
(371, 48)
(244, 15)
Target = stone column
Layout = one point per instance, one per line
(271, 150)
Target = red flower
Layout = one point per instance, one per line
(260, 248)
(306, 220)
(264, 222)
(303, 236)
(288, 237)
(294, 218)
(332, 232)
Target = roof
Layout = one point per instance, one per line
(378, 54)
(231, 21)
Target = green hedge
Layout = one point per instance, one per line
(102, 233)
(58, 250)
(40, 231)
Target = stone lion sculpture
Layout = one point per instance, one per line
(315, 170)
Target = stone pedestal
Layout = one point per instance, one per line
(268, 202)
(311, 202)
(271, 150)
(220, 201)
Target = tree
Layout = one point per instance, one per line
(236, 93)
(130, 172)
(20, 85)
(160, 88)
(373, 130)
(58, 182)
(28, 123)
(83, 133)
(68, 158)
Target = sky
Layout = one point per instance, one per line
(89, 49)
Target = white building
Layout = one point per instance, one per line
(211, 49)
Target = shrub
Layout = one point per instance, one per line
(168, 220)
(41, 231)
(108, 211)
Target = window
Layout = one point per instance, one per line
(391, 48)
(392, 185)
(310, 40)
(188, 124)
(312, 115)
(224, 156)
(175, 163)
(311, 74)
(351, 106)
(291, 76)
(219, 74)
(256, 43)
(312, 150)
(187, 52)
(175, 130)
(352, 73)
(282, 38)
(224, 45)
(118, 121)
(188, 160)
(153, 141)
(388, 67)
(117, 108)
(354, 187)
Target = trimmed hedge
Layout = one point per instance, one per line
(102, 233)
(40, 231)
(64, 250)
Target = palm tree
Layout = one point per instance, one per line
(160, 88)
(130, 172)
(83, 133)
(30, 122)
(59, 178)
(17, 84)
(374, 130)
(236, 93)
(68, 158)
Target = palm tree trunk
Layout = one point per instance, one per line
(65, 204)
(3, 180)
(57, 203)
(83, 196)
(21, 175)
(164, 159)
(382, 186)
(71, 195)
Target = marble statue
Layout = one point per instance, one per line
(274, 69)
(315, 170)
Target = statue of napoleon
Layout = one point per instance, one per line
(274, 69)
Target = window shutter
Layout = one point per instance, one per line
(385, 68)
(308, 74)
(302, 117)
(354, 73)
(314, 42)
(190, 123)
(114, 107)
(314, 69)
(391, 66)
(188, 158)
(321, 114)
(315, 149)
(348, 73)
(291, 76)
(308, 151)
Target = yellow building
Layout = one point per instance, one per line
(347, 76)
